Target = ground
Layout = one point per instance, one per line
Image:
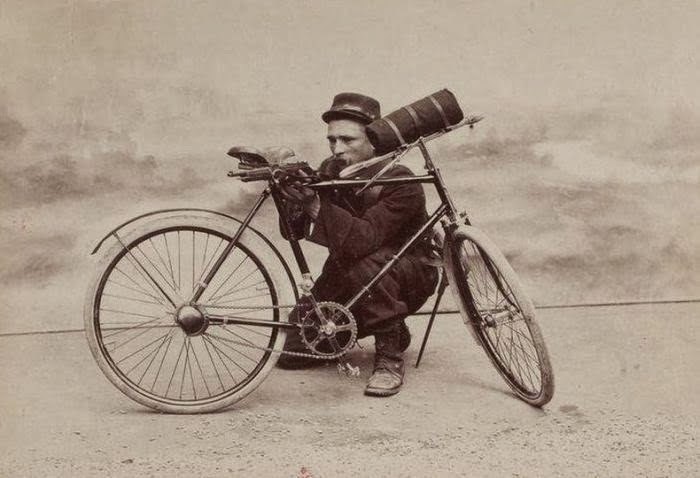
(625, 405)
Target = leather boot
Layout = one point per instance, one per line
(387, 377)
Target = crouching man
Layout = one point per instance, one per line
(362, 232)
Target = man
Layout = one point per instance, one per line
(362, 232)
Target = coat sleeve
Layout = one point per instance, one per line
(298, 221)
(347, 236)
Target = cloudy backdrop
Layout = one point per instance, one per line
(586, 170)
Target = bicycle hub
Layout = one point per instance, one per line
(191, 320)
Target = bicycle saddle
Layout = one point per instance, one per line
(256, 158)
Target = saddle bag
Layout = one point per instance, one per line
(422, 118)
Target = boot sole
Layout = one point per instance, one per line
(381, 392)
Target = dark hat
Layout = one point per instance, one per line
(353, 106)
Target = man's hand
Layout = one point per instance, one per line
(331, 167)
(296, 191)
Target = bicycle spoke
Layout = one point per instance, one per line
(226, 329)
(146, 330)
(170, 262)
(211, 358)
(528, 366)
(201, 373)
(242, 298)
(253, 331)
(257, 284)
(162, 261)
(172, 285)
(135, 326)
(156, 298)
(160, 367)
(179, 263)
(146, 275)
(516, 353)
(189, 366)
(227, 343)
(526, 356)
(184, 366)
(204, 255)
(131, 298)
(521, 369)
(141, 350)
(166, 338)
(232, 288)
(135, 314)
(220, 352)
(177, 362)
(213, 294)
(521, 335)
(205, 268)
(193, 239)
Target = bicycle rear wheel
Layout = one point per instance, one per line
(499, 313)
(161, 351)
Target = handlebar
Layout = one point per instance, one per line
(258, 174)
(266, 173)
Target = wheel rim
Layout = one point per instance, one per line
(498, 319)
(153, 346)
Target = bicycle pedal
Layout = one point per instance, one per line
(348, 370)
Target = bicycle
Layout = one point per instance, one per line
(185, 312)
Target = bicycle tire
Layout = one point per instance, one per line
(499, 314)
(131, 329)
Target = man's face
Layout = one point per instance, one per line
(348, 141)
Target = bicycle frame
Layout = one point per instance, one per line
(445, 212)
(140, 328)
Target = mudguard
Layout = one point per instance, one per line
(161, 212)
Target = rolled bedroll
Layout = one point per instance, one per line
(424, 117)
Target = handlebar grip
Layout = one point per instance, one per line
(260, 174)
(267, 173)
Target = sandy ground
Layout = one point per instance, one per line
(625, 405)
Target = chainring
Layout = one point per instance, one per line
(332, 334)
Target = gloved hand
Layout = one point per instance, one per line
(294, 189)
(331, 167)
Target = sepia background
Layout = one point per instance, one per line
(585, 171)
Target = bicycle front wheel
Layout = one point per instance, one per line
(501, 316)
(159, 349)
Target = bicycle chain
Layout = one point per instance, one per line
(287, 352)
(270, 349)
(250, 307)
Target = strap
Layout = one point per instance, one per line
(413, 114)
(396, 130)
(440, 110)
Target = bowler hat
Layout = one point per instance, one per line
(353, 106)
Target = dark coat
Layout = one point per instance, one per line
(362, 233)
